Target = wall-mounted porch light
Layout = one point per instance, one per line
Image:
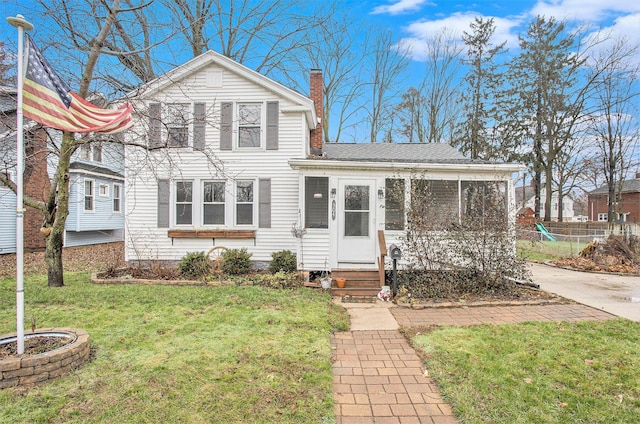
(333, 193)
(380, 194)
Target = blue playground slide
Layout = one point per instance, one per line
(544, 232)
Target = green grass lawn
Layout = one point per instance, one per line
(538, 372)
(181, 354)
(540, 251)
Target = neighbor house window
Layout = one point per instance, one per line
(244, 202)
(394, 204)
(88, 195)
(97, 152)
(103, 190)
(177, 124)
(85, 152)
(316, 202)
(213, 197)
(184, 202)
(117, 196)
(249, 125)
(603, 217)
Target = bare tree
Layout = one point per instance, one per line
(388, 61)
(336, 50)
(614, 126)
(440, 86)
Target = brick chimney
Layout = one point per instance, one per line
(316, 93)
(36, 186)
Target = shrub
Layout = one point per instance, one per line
(283, 260)
(278, 280)
(236, 261)
(194, 264)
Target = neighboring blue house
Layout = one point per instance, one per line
(96, 202)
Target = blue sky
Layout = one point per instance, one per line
(415, 20)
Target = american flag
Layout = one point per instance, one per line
(49, 100)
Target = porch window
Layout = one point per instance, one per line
(434, 203)
(244, 203)
(213, 198)
(394, 204)
(184, 202)
(177, 124)
(249, 125)
(486, 200)
(316, 202)
(88, 194)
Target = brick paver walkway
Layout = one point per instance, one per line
(378, 378)
(497, 314)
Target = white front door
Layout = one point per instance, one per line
(356, 225)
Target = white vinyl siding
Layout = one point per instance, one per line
(145, 240)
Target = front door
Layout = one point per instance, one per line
(356, 214)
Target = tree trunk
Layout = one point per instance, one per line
(58, 217)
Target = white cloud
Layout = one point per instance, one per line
(399, 7)
(584, 10)
(420, 32)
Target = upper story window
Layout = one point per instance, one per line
(603, 217)
(177, 124)
(89, 195)
(249, 125)
(91, 152)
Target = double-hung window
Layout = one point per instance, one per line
(244, 203)
(88, 195)
(249, 125)
(177, 124)
(117, 196)
(213, 202)
(184, 203)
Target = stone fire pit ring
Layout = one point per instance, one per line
(30, 369)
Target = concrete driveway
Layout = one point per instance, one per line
(616, 294)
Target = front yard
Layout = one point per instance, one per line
(181, 354)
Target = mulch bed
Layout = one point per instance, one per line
(33, 346)
(95, 257)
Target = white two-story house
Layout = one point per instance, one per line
(237, 160)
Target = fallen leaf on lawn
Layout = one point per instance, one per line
(426, 373)
(589, 361)
(620, 398)
(563, 404)
(528, 380)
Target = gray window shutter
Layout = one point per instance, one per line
(226, 125)
(199, 124)
(164, 203)
(273, 113)
(155, 126)
(264, 209)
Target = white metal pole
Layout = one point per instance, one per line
(21, 24)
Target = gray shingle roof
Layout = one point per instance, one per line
(628, 186)
(395, 152)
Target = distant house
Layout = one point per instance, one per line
(525, 198)
(96, 202)
(628, 208)
(244, 166)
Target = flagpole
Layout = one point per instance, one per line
(22, 25)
